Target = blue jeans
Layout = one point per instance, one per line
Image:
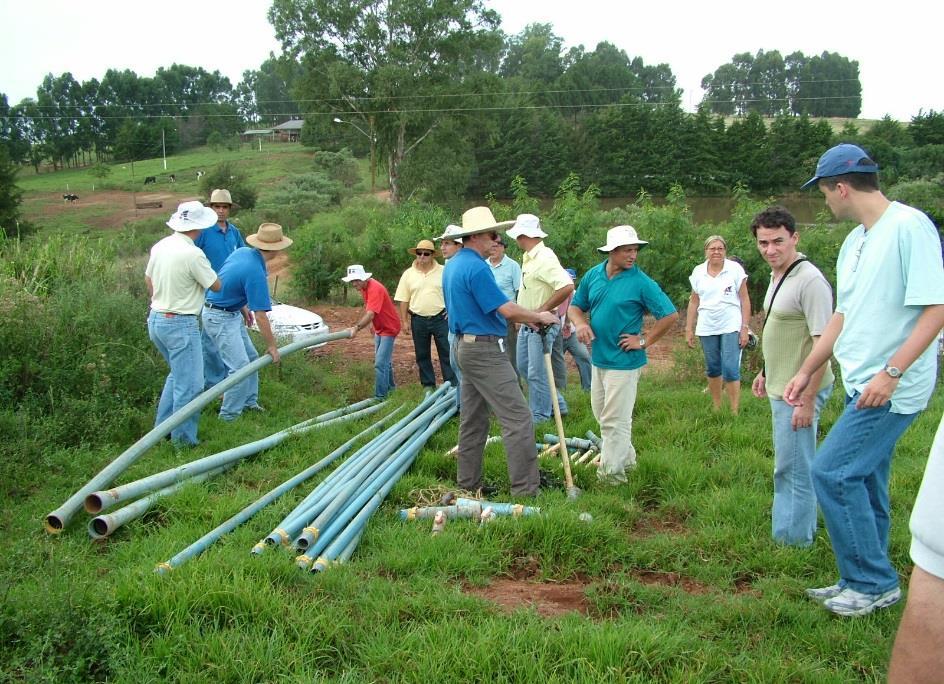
(722, 356)
(214, 371)
(581, 355)
(228, 332)
(532, 368)
(383, 365)
(850, 476)
(177, 338)
(793, 516)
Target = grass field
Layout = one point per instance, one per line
(675, 578)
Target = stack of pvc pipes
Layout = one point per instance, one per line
(585, 449)
(467, 508)
(169, 481)
(325, 527)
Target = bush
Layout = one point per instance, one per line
(300, 197)
(229, 176)
(340, 167)
(926, 195)
(215, 141)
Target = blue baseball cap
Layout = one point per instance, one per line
(844, 158)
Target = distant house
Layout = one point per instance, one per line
(256, 133)
(289, 131)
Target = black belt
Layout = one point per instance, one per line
(438, 315)
(221, 308)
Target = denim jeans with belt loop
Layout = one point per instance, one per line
(228, 332)
(383, 365)
(532, 368)
(850, 476)
(177, 338)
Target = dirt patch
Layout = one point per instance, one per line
(546, 598)
(664, 523)
(671, 579)
(112, 208)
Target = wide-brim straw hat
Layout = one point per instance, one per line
(619, 236)
(221, 196)
(191, 216)
(269, 238)
(426, 245)
(479, 220)
(356, 272)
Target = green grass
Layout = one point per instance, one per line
(695, 512)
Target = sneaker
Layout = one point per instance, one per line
(851, 603)
(255, 407)
(823, 593)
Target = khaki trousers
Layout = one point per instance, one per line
(612, 398)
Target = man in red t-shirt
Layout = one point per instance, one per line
(379, 311)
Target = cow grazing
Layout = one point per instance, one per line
(200, 174)
(70, 197)
(150, 179)
(173, 178)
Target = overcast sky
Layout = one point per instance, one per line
(896, 46)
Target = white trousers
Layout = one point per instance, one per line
(612, 398)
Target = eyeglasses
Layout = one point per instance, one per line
(493, 236)
(423, 252)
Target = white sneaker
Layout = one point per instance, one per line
(851, 603)
(824, 593)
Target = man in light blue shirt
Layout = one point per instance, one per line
(507, 274)
(889, 310)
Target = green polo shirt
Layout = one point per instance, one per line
(616, 306)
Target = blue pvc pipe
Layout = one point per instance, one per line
(57, 520)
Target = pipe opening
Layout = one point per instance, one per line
(93, 503)
(100, 526)
(54, 524)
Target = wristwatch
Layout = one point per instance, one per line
(892, 371)
(642, 342)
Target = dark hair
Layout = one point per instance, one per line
(863, 182)
(774, 217)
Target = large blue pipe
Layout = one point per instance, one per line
(102, 526)
(327, 506)
(206, 540)
(57, 520)
(318, 499)
(382, 482)
(100, 501)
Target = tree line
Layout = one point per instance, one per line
(452, 107)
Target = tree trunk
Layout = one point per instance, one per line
(393, 165)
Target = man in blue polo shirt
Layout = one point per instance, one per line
(245, 289)
(218, 242)
(617, 294)
(478, 315)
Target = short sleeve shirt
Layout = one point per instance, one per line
(508, 276)
(719, 304)
(245, 282)
(472, 296)
(541, 276)
(885, 277)
(218, 245)
(376, 299)
(616, 306)
(180, 274)
(422, 291)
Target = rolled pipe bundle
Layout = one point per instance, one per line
(57, 520)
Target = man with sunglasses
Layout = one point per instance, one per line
(419, 297)
(478, 315)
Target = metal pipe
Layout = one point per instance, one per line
(102, 500)
(57, 520)
(102, 526)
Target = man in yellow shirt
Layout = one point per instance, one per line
(544, 286)
(419, 297)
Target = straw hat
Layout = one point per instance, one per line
(356, 272)
(191, 216)
(619, 236)
(269, 238)
(220, 196)
(479, 220)
(424, 245)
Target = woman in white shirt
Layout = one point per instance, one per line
(720, 304)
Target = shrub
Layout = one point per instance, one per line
(340, 167)
(215, 141)
(229, 176)
(926, 195)
(300, 197)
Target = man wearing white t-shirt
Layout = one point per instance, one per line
(889, 311)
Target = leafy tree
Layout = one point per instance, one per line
(535, 55)
(441, 167)
(338, 166)
(388, 65)
(927, 129)
(232, 178)
(10, 196)
(264, 96)
(215, 141)
(747, 152)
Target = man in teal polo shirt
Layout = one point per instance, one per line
(616, 294)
